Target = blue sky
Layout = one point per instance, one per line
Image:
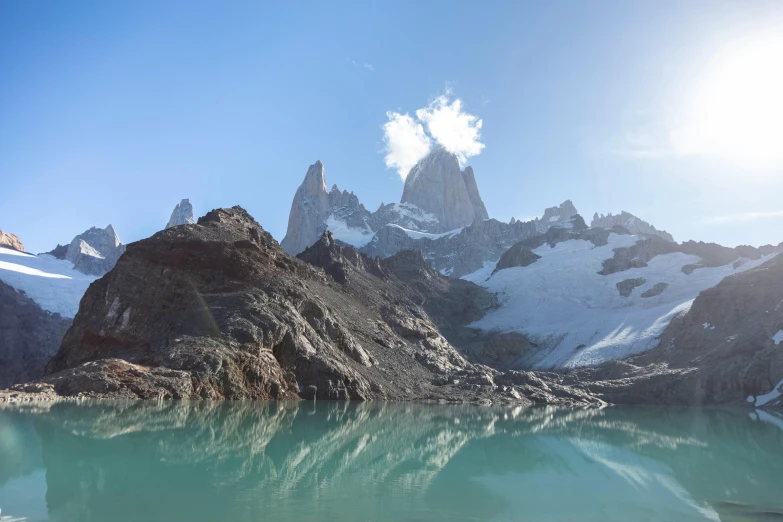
(111, 112)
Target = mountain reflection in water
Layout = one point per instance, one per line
(243, 461)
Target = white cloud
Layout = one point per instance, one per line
(743, 217)
(458, 132)
(406, 141)
(369, 67)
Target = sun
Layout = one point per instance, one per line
(735, 110)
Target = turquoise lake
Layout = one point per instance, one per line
(246, 461)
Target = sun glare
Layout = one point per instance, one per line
(735, 111)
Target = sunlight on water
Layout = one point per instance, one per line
(244, 461)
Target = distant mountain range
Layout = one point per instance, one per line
(427, 298)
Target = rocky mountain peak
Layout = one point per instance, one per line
(182, 214)
(438, 186)
(93, 252)
(309, 210)
(11, 241)
(339, 261)
(630, 222)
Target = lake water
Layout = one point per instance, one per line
(244, 461)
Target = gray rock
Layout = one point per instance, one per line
(630, 222)
(182, 214)
(626, 286)
(224, 313)
(656, 289)
(95, 251)
(518, 255)
(309, 210)
(438, 186)
(29, 337)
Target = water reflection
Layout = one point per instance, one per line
(287, 461)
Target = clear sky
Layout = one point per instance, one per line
(111, 112)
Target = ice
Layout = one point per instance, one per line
(50, 282)
(576, 316)
(415, 234)
(356, 237)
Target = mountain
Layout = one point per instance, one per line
(630, 222)
(94, 252)
(225, 313)
(38, 297)
(440, 214)
(585, 296)
(11, 241)
(30, 336)
(181, 215)
(438, 197)
(438, 186)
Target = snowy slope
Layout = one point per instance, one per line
(50, 282)
(578, 317)
(356, 237)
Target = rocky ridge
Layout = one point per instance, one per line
(93, 252)
(217, 310)
(630, 222)
(11, 241)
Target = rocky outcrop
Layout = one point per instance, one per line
(552, 215)
(630, 222)
(721, 351)
(29, 337)
(181, 215)
(11, 241)
(656, 289)
(93, 252)
(438, 186)
(710, 254)
(517, 255)
(217, 310)
(58, 252)
(626, 286)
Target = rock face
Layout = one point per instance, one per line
(438, 186)
(517, 255)
(11, 241)
(29, 337)
(314, 209)
(95, 251)
(438, 197)
(182, 214)
(632, 223)
(553, 215)
(721, 351)
(626, 286)
(217, 310)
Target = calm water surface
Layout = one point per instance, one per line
(197, 461)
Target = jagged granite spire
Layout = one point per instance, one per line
(308, 211)
(438, 186)
(182, 214)
(95, 251)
